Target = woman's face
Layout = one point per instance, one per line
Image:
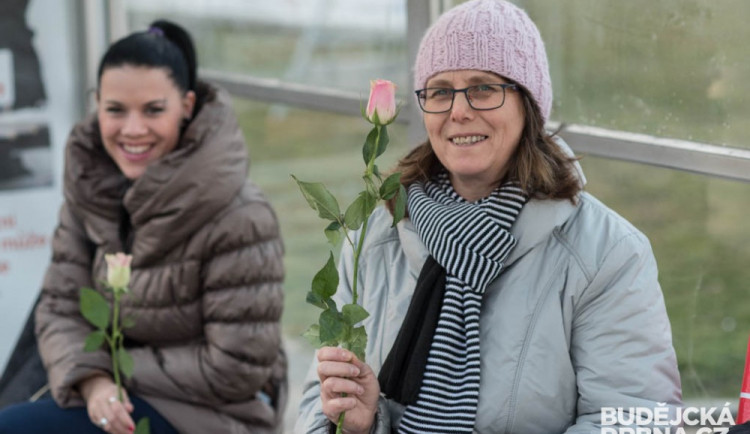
(475, 146)
(140, 110)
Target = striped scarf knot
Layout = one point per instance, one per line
(470, 241)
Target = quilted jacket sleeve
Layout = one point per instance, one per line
(241, 308)
(621, 344)
(60, 328)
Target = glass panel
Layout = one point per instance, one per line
(326, 43)
(696, 224)
(698, 228)
(314, 146)
(673, 68)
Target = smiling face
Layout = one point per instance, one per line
(140, 110)
(474, 145)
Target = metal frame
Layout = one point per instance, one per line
(94, 38)
(117, 18)
(712, 160)
(706, 159)
(294, 94)
(419, 16)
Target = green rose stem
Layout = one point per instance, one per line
(95, 309)
(338, 327)
(355, 272)
(116, 342)
(357, 252)
(368, 175)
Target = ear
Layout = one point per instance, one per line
(188, 103)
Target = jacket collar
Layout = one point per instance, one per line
(536, 222)
(174, 196)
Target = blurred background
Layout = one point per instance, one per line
(652, 95)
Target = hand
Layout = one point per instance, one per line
(340, 371)
(100, 393)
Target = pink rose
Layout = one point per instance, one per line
(118, 270)
(381, 108)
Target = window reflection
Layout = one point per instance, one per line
(672, 68)
(329, 43)
(314, 146)
(701, 240)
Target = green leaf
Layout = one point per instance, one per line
(143, 426)
(333, 233)
(369, 183)
(316, 300)
(358, 342)
(320, 199)
(363, 110)
(331, 326)
(125, 361)
(94, 308)
(94, 340)
(371, 201)
(128, 322)
(389, 187)
(376, 172)
(383, 141)
(331, 303)
(370, 147)
(326, 281)
(353, 313)
(355, 213)
(360, 209)
(399, 208)
(312, 334)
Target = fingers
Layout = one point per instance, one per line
(347, 384)
(107, 412)
(126, 402)
(336, 362)
(335, 354)
(335, 387)
(332, 408)
(114, 417)
(337, 369)
(121, 421)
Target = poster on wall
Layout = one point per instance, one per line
(38, 106)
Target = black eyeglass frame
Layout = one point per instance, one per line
(465, 91)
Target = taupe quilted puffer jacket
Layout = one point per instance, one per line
(206, 281)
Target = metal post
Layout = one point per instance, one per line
(118, 20)
(418, 13)
(94, 24)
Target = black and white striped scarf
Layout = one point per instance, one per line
(471, 241)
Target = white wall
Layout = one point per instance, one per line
(28, 215)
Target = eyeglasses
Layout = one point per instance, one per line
(480, 97)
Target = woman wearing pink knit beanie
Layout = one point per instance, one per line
(509, 301)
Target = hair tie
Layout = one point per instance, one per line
(155, 31)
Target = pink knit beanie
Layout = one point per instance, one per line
(487, 35)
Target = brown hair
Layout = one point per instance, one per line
(539, 165)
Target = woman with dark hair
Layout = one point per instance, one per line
(510, 301)
(160, 172)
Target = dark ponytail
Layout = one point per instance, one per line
(178, 36)
(163, 45)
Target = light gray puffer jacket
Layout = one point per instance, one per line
(574, 323)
